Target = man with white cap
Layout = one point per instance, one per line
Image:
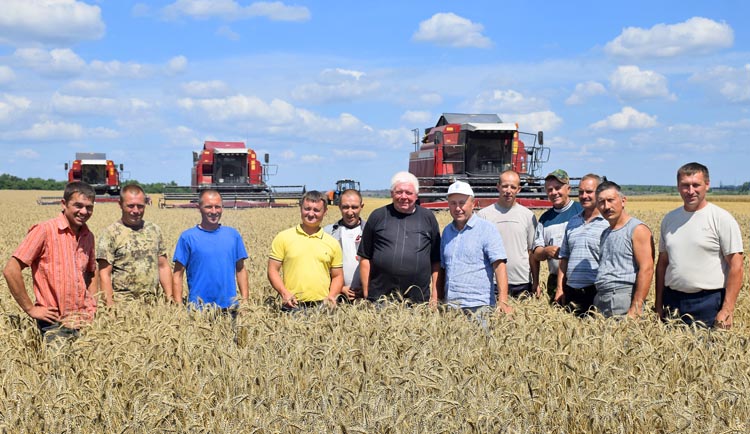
(471, 254)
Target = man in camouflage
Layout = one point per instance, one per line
(131, 253)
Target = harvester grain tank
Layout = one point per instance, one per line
(236, 172)
(477, 148)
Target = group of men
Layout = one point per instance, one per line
(598, 256)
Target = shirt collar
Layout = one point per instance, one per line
(64, 225)
(301, 231)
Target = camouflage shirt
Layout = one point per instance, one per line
(134, 256)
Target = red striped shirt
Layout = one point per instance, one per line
(58, 259)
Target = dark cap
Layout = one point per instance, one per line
(559, 175)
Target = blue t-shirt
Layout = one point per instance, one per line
(210, 258)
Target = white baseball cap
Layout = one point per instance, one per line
(460, 187)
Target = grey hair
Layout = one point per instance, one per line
(405, 177)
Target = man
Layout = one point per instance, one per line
(471, 255)
(310, 259)
(626, 264)
(552, 224)
(699, 272)
(516, 225)
(60, 253)
(579, 252)
(348, 232)
(214, 257)
(400, 249)
(131, 253)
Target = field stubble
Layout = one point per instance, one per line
(156, 368)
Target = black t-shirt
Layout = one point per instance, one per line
(401, 249)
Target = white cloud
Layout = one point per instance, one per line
(696, 35)
(177, 65)
(205, 89)
(55, 22)
(350, 154)
(115, 68)
(451, 30)
(60, 131)
(431, 98)
(27, 154)
(59, 61)
(732, 83)
(72, 105)
(495, 101)
(416, 117)
(231, 10)
(584, 91)
(336, 85)
(88, 87)
(545, 120)
(311, 158)
(630, 82)
(227, 32)
(6, 75)
(627, 119)
(287, 155)
(12, 106)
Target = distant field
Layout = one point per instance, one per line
(355, 370)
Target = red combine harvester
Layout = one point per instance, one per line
(94, 169)
(477, 148)
(235, 171)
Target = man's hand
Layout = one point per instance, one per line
(724, 319)
(504, 308)
(44, 314)
(551, 251)
(330, 301)
(348, 292)
(289, 300)
(559, 296)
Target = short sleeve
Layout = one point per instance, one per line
(278, 251)
(32, 245)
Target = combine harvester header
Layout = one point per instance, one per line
(235, 171)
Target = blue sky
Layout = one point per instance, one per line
(332, 89)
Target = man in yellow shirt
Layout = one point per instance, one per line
(309, 259)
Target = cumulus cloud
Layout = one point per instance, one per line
(697, 35)
(55, 62)
(227, 32)
(630, 82)
(57, 131)
(91, 105)
(6, 75)
(450, 30)
(431, 98)
(545, 120)
(336, 84)
(732, 83)
(508, 100)
(177, 65)
(89, 87)
(584, 91)
(49, 22)
(311, 158)
(231, 10)
(416, 117)
(627, 119)
(115, 68)
(205, 89)
(12, 106)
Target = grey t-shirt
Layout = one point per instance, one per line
(516, 225)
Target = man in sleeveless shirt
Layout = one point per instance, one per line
(626, 263)
(699, 272)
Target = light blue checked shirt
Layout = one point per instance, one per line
(467, 258)
(581, 246)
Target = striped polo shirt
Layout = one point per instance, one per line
(551, 229)
(581, 247)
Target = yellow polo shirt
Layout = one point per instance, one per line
(306, 261)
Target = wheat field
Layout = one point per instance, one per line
(156, 368)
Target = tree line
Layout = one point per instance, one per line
(10, 182)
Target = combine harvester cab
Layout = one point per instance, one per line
(96, 170)
(235, 171)
(477, 148)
